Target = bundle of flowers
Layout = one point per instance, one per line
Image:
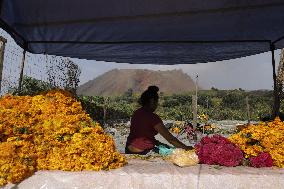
(51, 131)
(175, 130)
(263, 137)
(218, 150)
(262, 160)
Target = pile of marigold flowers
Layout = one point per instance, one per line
(260, 141)
(51, 131)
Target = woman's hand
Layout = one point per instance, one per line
(170, 138)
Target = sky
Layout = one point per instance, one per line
(249, 73)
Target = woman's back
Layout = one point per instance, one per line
(142, 132)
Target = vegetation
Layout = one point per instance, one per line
(217, 104)
(62, 73)
(30, 86)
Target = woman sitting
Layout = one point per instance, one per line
(145, 124)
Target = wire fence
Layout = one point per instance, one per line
(54, 70)
(11, 65)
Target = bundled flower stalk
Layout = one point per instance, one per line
(260, 141)
(218, 150)
(51, 132)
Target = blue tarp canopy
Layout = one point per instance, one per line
(146, 31)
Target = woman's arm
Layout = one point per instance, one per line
(160, 128)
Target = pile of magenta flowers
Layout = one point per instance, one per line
(218, 150)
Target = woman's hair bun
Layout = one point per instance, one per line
(153, 89)
(150, 93)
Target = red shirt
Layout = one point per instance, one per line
(142, 132)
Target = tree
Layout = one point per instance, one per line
(280, 74)
(214, 89)
(63, 73)
(129, 93)
(234, 100)
(73, 74)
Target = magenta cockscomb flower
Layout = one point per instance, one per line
(263, 159)
(218, 150)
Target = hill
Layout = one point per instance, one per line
(119, 81)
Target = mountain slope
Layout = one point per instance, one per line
(116, 82)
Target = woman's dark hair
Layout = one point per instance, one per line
(150, 93)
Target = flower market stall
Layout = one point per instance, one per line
(49, 141)
(43, 136)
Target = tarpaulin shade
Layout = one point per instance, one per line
(146, 31)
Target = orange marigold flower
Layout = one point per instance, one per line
(51, 131)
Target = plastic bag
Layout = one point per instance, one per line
(183, 158)
(164, 150)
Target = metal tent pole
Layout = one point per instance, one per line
(276, 106)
